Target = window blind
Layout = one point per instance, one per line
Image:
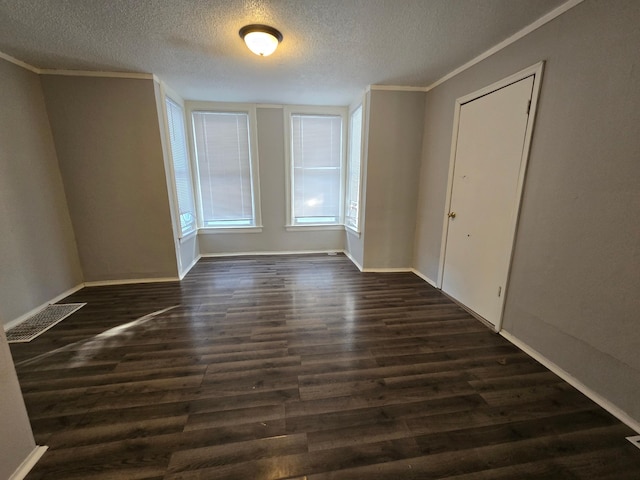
(181, 170)
(316, 144)
(352, 202)
(224, 168)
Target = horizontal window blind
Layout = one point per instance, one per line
(181, 170)
(224, 168)
(352, 201)
(316, 148)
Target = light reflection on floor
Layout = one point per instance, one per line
(88, 349)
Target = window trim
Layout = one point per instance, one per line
(168, 95)
(219, 107)
(217, 230)
(315, 226)
(359, 105)
(288, 111)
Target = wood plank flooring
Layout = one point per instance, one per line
(301, 367)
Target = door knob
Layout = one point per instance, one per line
(452, 215)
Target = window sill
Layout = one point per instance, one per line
(311, 227)
(217, 230)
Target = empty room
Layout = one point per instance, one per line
(237, 239)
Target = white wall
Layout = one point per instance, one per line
(38, 254)
(189, 251)
(392, 150)
(274, 237)
(573, 291)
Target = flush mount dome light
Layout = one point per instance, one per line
(261, 39)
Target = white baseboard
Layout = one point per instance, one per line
(130, 281)
(28, 463)
(424, 277)
(242, 254)
(635, 440)
(32, 312)
(387, 270)
(574, 382)
(353, 260)
(188, 269)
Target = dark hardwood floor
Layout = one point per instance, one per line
(301, 367)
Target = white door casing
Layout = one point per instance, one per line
(492, 134)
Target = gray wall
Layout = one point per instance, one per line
(274, 237)
(16, 440)
(393, 163)
(38, 255)
(573, 292)
(107, 137)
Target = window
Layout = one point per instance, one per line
(316, 168)
(181, 171)
(228, 194)
(352, 200)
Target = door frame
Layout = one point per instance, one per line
(535, 70)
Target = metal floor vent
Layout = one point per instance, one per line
(41, 322)
(635, 440)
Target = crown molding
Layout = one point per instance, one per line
(397, 88)
(77, 73)
(505, 43)
(100, 74)
(19, 63)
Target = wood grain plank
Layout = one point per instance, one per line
(300, 367)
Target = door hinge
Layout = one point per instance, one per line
(499, 291)
(528, 107)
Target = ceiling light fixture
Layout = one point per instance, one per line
(261, 39)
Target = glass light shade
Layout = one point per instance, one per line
(261, 43)
(261, 39)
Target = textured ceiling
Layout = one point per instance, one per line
(332, 49)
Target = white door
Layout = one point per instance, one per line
(485, 197)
